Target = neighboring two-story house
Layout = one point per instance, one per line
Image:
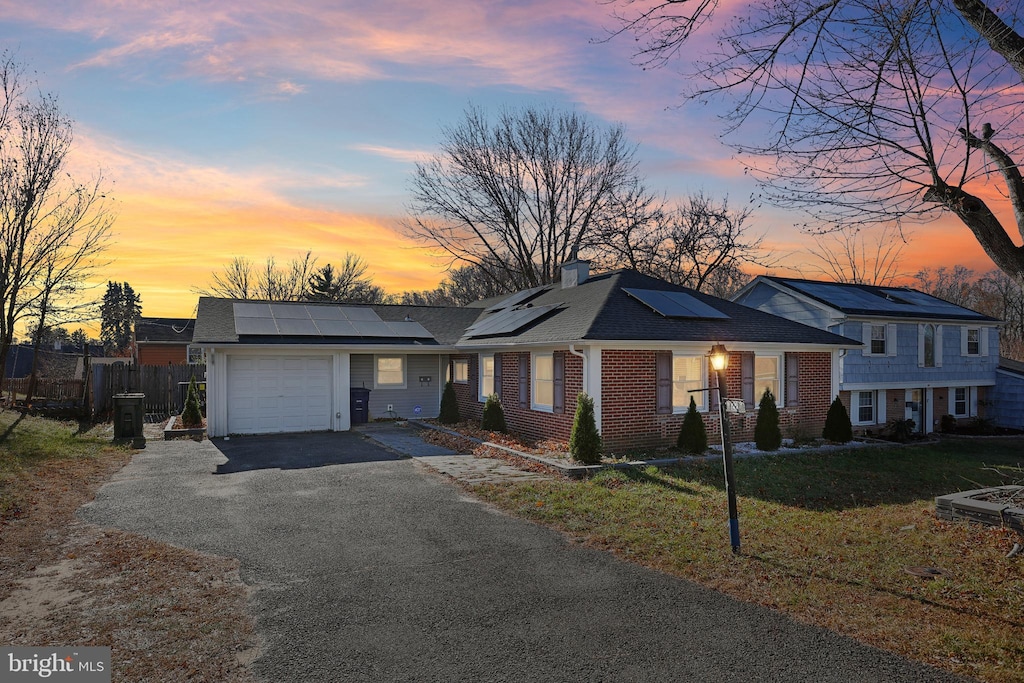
(921, 358)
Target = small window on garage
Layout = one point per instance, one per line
(390, 372)
(460, 371)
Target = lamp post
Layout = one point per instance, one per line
(719, 361)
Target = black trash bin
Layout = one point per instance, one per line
(129, 412)
(359, 405)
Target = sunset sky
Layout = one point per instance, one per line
(256, 128)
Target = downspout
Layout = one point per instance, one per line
(583, 359)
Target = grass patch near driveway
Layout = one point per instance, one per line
(167, 613)
(826, 539)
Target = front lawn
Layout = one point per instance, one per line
(827, 539)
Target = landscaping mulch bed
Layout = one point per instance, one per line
(168, 614)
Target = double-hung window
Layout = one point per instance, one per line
(766, 376)
(688, 373)
(973, 341)
(390, 372)
(864, 407)
(486, 376)
(878, 340)
(960, 401)
(543, 381)
(460, 371)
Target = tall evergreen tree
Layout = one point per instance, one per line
(119, 310)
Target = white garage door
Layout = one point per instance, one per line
(268, 394)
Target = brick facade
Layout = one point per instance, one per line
(628, 401)
(522, 420)
(629, 416)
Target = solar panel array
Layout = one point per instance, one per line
(518, 298)
(675, 304)
(299, 320)
(508, 321)
(882, 299)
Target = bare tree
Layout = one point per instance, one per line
(518, 196)
(852, 256)
(862, 111)
(1002, 297)
(51, 228)
(687, 244)
(461, 286)
(957, 285)
(241, 280)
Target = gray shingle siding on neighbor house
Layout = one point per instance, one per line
(1007, 397)
(859, 368)
(427, 395)
(771, 300)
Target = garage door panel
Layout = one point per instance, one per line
(269, 394)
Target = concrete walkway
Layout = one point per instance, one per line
(459, 466)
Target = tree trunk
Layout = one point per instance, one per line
(999, 35)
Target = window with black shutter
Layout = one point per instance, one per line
(792, 379)
(747, 379)
(524, 380)
(497, 375)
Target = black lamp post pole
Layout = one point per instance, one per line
(730, 478)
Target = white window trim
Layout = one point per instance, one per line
(195, 355)
(855, 408)
(456, 362)
(481, 395)
(540, 407)
(700, 397)
(953, 402)
(780, 378)
(405, 371)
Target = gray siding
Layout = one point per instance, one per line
(1007, 400)
(770, 300)
(903, 367)
(415, 393)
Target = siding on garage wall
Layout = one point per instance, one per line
(415, 393)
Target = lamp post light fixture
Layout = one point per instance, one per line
(719, 358)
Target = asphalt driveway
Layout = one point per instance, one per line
(368, 567)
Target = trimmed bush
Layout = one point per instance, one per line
(693, 436)
(585, 441)
(449, 406)
(494, 416)
(191, 417)
(767, 434)
(837, 423)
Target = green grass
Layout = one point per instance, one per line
(826, 539)
(28, 442)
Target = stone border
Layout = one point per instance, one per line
(581, 471)
(170, 434)
(966, 506)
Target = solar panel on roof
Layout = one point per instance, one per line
(298, 320)
(675, 304)
(408, 328)
(295, 311)
(336, 328)
(301, 328)
(353, 313)
(518, 298)
(255, 326)
(509, 321)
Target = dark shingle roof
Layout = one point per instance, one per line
(178, 330)
(599, 309)
(857, 299)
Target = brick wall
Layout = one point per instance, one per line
(629, 401)
(523, 421)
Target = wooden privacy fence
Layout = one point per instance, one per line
(160, 383)
(59, 390)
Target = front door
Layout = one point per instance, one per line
(915, 408)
